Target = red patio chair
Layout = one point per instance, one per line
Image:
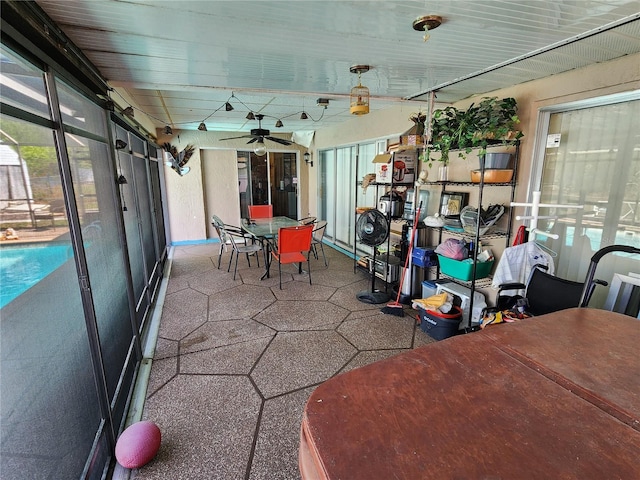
(260, 211)
(293, 246)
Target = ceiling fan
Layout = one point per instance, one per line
(259, 134)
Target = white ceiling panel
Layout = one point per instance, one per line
(182, 60)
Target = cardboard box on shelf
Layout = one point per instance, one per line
(413, 136)
(382, 164)
(404, 166)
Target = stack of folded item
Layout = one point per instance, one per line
(441, 302)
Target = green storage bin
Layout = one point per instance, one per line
(464, 270)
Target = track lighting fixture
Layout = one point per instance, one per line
(120, 144)
(303, 115)
(228, 106)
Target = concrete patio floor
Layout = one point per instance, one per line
(235, 361)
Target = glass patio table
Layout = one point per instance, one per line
(267, 227)
(265, 230)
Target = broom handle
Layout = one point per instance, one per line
(406, 260)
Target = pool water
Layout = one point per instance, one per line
(21, 267)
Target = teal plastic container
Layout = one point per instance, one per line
(463, 270)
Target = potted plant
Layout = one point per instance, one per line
(488, 122)
(451, 129)
(495, 120)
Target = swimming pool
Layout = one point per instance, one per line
(22, 266)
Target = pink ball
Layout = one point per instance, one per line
(138, 444)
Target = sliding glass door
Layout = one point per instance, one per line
(284, 183)
(269, 179)
(591, 159)
(345, 196)
(338, 191)
(327, 191)
(336, 194)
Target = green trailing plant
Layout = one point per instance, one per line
(451, 129)
(496, 120)
(480, 125)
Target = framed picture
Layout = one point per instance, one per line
(451, 203)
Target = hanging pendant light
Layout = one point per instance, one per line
(359, 96)
(260, 148)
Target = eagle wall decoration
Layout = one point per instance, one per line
(179, 160)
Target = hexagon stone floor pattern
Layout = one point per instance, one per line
(236, 360)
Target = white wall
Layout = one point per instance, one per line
(221, 191)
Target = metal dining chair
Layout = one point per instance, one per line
(234, 238)
(307, 220)
(224, 231)
(219, 226)
(292, 245)
(260, 211)
(316, 239)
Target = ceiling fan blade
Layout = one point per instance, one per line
(254, 139)
(233, 138)
(279, 140)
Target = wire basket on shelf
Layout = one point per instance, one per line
(488, 217)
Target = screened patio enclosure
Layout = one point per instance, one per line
(80, 275)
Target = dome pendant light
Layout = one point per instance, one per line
(359, 95)
(260, 148)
